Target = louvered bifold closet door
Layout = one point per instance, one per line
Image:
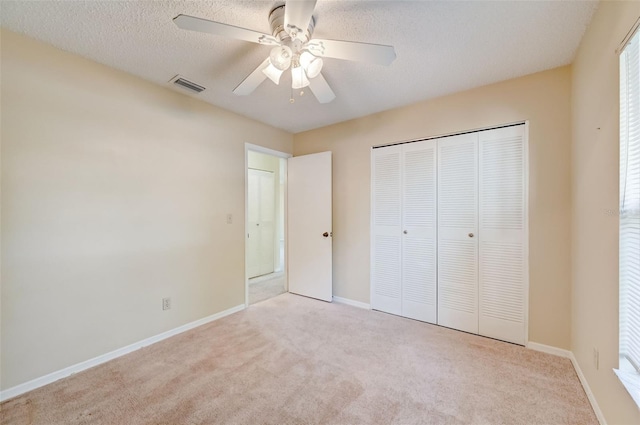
(419, 231)
(502, 234)
(386, 243)
(457, 228)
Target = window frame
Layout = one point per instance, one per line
(628, 370)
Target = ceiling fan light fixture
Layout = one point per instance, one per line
(280, 57)
(292, 47)
(273, 73)
(299, 78)
(311, 64)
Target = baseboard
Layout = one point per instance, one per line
(352, 303)
(79, 367)
(587, 389)
(585, 385)
(550, 349)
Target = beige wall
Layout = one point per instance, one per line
(114, 195)
(544, 100)
(595, 192)
(115, 192)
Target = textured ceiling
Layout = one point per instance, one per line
(442, 47)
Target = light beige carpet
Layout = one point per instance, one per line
(265, 287)
(293, 360)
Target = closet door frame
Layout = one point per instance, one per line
(526, 215)
(526, 233)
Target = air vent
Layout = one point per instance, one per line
(184, 83)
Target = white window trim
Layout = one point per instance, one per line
(627, 372)
(630, 378)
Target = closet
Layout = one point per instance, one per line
(449, 231)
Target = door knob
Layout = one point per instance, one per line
(470, 235)
(405, 232)
(325, 234)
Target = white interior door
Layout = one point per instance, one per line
(310, 225)
(386, 239)
(261, 222)
(267, 222)
(419, 219)
(253, 218)
(457, 229)
(502, 234)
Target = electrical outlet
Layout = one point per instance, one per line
(166, 303)
(596, 358)
(229, 219)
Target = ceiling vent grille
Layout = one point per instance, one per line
(186, 84)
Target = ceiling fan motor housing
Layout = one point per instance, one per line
(276, 20)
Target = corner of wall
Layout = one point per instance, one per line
(594, 191)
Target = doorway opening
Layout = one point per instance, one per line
(265, 224)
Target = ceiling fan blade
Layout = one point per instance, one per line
(297, 15)
(249, 84)
(321, 90)
(192, 23)
(350, 50)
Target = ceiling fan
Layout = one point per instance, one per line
(293, 48)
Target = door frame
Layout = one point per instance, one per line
(283, 155)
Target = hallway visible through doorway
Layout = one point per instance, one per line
(265, 252)
(264, 287)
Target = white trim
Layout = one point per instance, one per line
(262, 149)
(549, 349)
(527, 276)
(352, 303)
(441, 136)
(628, 37)
(587, 390)
(79, 367)
(629, 378)
(371, 227)
(583, 380)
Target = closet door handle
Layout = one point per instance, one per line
(405, 232)
(470, 235)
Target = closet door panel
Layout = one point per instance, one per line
(386, 243)
(502, 234)
(419, 253)
(457, 228)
